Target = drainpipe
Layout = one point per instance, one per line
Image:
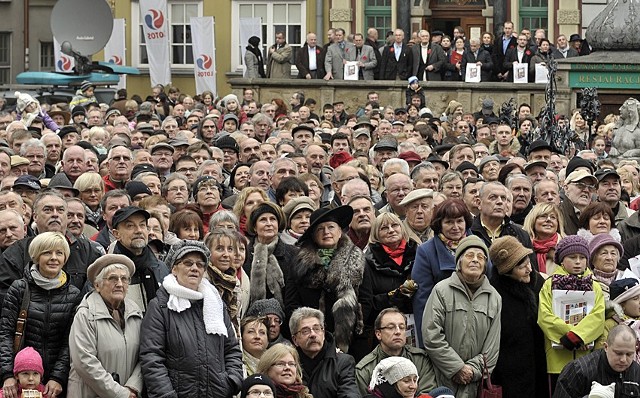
(26, 35)
(404, 17)
(499, 16)
(320, 20)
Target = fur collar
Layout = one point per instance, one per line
(343, 276)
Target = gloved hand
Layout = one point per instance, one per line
(571, 341)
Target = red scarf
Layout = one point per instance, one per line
(243, 225)
(541, 248)
(289, 391)
(397, 253)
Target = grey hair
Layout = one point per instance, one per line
(172, 177)
(422, 166)
(406, 146)
(106, 270)
(303, 313)
(394, 162)
(450, 176)
(223, 216)
(514, 177)
(215, 149)
(276, 162)
(32, 143)
(140, 176)
(119, 146)
(12, 212)
(488, 185)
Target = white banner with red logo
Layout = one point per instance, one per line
(64, 63)
(204, 54)
(114, 51)
(155, 26)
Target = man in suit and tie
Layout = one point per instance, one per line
(310, 59)
(366, 57)
(337, 56)
(396, 59)
(500, 47)
(478, 56)
(520, 54)
(427, 58)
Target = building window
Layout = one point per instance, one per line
(277, 16)
(47, 59)
(5, 57)
(377, 14)
(534, 14)
(180, 13)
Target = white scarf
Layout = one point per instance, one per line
(212, 307)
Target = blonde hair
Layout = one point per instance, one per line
(48, 241)
(388, 218)
(238, 208)
(625, 173)
(539, 210)
(98, 130)
(276, 353)
(88, 180)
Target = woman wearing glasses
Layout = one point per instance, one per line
(466, 298)
(282, 364)
(188, 337)
(105, 334)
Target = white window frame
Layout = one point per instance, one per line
(237, 63)
(135, 33)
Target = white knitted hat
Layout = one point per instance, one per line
(392, 370)
(600, 391)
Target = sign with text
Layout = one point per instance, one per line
(115, 49)
(155, 26)
(204, 53)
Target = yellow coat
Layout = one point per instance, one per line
(589, 328)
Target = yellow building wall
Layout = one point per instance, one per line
(221, 12)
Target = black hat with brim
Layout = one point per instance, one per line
(340, 215)
(126, 212)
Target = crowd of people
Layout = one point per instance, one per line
(424, 55)
(183, 246)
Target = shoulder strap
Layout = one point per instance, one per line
(21, 323)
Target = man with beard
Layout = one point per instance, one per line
(132, 238)
(522, 190)
(419, 209)
(363, 216)
(49, 215)
(578, 188)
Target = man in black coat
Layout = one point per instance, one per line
(520, 54)
(326, 372)
(500, 47)
(310, 59)
(427, 58)
(614, 364)
(372, 40)
(396, 59)
(478, 56)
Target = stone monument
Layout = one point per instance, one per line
(626, 134)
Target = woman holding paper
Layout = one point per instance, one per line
(542, 56)
(570, 336)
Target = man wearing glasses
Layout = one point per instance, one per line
(326, 372)
(579, 186)
(391, 332)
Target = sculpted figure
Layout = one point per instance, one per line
(626, 134)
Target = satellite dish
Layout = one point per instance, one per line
(82, 27)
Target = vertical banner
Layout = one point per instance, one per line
(204, 53)
(64, 63)
(249, 27)
(114, 51)
(156, 36)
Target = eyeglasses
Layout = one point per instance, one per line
(189, 264)
(187, 170)
(393, 328)
(551, 217)
(471, 256)
(347, 179)
(257, 393)
(113, 279)
(282, 365)
(582, 186)
(307, 331)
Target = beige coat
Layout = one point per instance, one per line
(279, 63)
(99, 348)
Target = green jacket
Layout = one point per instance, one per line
(426, 379)
(553, 327)
(458, 329)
